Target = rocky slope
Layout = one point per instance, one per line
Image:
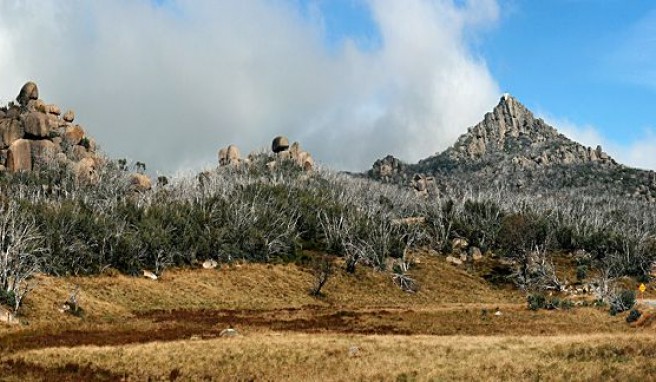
(512, 148)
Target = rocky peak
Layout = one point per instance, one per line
(511, 132)
(510, 126)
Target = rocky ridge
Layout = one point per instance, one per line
(512, 148)
(34, 133)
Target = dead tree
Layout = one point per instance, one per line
(19, 247)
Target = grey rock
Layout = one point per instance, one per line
(279, 144)
(28, 92)
(229, 332)
(36, 124)
(19, 157)
(229, 156)
(10, 131)
(69, 116)
(43, 152)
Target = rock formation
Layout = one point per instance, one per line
(512, 148)
(423, 184)
(387, 168)
(512, 130)
(281, 151)
(229, 156)
(32, 134)
(281, 148)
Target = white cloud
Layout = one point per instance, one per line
(170, 85)
(637, 153)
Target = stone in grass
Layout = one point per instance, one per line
(149, 275)
(210, 264)
(229, 332)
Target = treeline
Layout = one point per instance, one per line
(264, 213)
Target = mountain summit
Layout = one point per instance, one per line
(512, 133)
(510, 147)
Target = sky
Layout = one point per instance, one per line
(169, 82)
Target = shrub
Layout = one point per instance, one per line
(85, 143)
(7, 298)
(633, 316)
(522, 232)
(536, 301)
(622, 301)
(566, 304)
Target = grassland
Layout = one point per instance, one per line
(363, 328)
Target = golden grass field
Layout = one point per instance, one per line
(363, 328)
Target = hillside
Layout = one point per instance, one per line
(264, 266)
(512, 149)
(363, 327)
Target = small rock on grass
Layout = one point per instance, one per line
(229, 332)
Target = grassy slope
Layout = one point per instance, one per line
(172, 326)
(259, 287)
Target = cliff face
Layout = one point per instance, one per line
(512, 148)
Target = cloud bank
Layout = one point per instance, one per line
(169, 83)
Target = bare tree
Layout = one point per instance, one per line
(19, 246)
(323, 270)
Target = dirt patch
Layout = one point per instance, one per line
(165, 325)
(69, 338)
(310, 319)
(182, 324)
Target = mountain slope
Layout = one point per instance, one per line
(512, 148)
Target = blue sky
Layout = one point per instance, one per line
(352, 80)
(586, 66)
(581, 60)
(588, 62)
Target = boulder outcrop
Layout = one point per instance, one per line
(387, 169)
(34, 134)
(284, 151)
(229, 156)
(11, 130)
(281, 150)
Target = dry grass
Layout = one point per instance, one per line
(256, 287)
(449, 330)
(304, 357)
